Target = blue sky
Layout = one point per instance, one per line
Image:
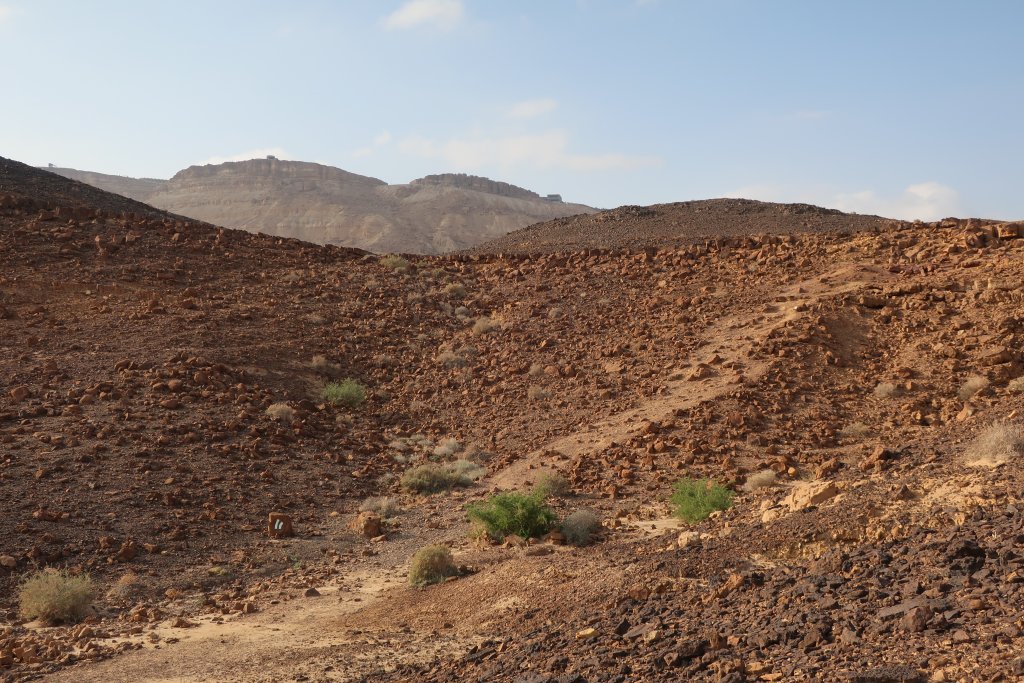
(907, 108)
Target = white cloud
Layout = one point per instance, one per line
(529, 109)
(380, 140)
(543, 150)
(444, 14)
(928, 201)
(245, 156)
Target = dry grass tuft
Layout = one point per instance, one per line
(970, 388)
(886, 390)
(55, 597)
(455, 290)
(855, 430)
(552, 485)
(432, 564)
(384, 506)
(282, 412)
(579, 527)
(1016, 386)
(432, 478)
(760, 480)
(536, 393)
(484, 326)
(998, 444)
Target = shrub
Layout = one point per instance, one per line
(536, 370)
(455, 290)
(996, 445)
(320, 364)
(696, 499)
(536, 393)
(432, 564)
(855, 430)
(551, 485)
(282, 412)
(484, 326)
(885, 390)
(760, 480)
(469, 470)
(447, 448)
(55, 596)
(512, 513)
(395, 263)
(971, 387)
(348, 393)
(1016, 386)
(432, 479)
(383, 506)
(579, 527)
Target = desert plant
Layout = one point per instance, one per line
(484, 326)
(348, 393)
(1016, 386)
(468, 469)
(885, 390)
(383, 506)
(320, 364)
(536, 393)
(447, 448)
(395, 263)
(432, 564)
(455, 290)
(55, 596)
(512, 513)
(282, 412)
(536, 370)
(855, 430)
(579, 527)
(551, 485)
(760, 480)
(696, 499)
(971, 387)
(431, 478)
(999, 443)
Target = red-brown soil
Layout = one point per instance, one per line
(139, 353)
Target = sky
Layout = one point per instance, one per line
(904, 108)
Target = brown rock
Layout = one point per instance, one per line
(809, 494)
(19, 393)
(367, 524)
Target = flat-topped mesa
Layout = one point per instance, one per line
(274, 168)
(477, 183)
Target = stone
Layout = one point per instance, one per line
(19, 393)
(687, 538)
(8, 562)
(279, 525)
(810, 494)
(312, 592)
(367, 524)
(916, 620)
(586, 634)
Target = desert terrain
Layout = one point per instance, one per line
(854, 383)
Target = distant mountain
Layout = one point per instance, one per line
(327, 205)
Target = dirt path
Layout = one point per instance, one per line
(305, 638)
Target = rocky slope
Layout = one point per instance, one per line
(139, 354)
(681, 223)
(327, 205)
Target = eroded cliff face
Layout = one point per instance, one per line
(328, 205)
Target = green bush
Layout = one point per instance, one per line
(579, 527)
(695, 499)
(431, 478)
(55, 596)
(432, 564)
(348, 393)
(512, 513)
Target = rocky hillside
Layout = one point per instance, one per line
(681, 223)
(858, 391)
(326, 205)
